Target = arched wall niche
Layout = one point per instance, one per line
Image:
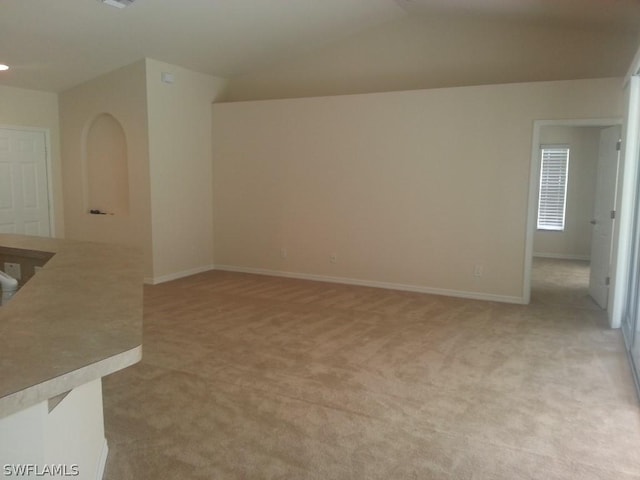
(106, 166)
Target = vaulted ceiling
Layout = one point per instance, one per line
(55, 44)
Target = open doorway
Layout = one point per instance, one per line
(569, 254)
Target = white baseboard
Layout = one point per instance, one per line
(177, 275)
(375, 284)
(561, 256)
(102, 461)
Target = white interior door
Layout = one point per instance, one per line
(24, 195)
(602, 232)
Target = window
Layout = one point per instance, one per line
(552, 200)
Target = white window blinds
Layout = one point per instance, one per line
(552, 200)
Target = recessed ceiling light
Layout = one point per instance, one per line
(118, 3)
(4, 67)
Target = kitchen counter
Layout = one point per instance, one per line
(76, 320)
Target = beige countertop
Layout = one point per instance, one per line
(76, 320)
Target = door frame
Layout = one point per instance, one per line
(534, 180)
(49, 168)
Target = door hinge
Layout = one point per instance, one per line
(619, 145)
(613, 214)
(607, 281)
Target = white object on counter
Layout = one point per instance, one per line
(9, 287)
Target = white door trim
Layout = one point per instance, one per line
(634, 68)
(47, 144)
(625, 221)
(533, 186)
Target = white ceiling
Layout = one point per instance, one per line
(55, 44)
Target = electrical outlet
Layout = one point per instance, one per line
(283, 253)
(477, 270)
(13, 270)
(333, 258)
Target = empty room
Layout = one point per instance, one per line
(320, 239)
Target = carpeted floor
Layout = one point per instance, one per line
(252, 377)
(561, 282)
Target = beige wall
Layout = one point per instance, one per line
(107, 166)
(443, 51)
(122, 94)
(179, 117)
(168, 135)
(575, 240)
(410, 189)
(31, 108)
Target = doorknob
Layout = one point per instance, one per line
(593, 222)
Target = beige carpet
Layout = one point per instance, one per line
(252, 377)
(561, 282)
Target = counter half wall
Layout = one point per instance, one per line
(77, 319)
